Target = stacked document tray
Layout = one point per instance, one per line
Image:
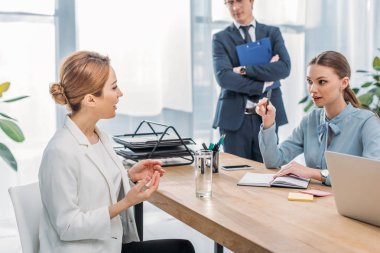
(165, 145)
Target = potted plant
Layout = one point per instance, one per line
(10, 128)
(369, 97)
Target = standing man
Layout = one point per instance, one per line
(243, 86)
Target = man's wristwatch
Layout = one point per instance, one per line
(324, 175)
(243, 70)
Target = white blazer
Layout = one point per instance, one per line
(76, 191)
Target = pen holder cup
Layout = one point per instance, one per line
(203, 173)
(215, 161)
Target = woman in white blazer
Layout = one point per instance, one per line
(85, 190)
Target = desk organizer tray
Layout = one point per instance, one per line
(166, 145)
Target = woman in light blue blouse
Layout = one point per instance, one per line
(337, 125)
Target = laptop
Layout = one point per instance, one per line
(356, 185)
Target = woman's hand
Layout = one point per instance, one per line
(294, 168)
(145, 170)
(142, 190)
(267, 112)
(137, 194)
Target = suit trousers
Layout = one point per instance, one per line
(153, 246)
(245, 141)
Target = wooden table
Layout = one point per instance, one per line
(261, 219)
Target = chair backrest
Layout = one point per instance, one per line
(27, 205)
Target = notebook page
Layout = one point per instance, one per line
(256, 179)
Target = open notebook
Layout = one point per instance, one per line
(260, 179)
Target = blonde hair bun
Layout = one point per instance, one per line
(58, 93)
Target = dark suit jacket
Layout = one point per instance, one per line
(236, 88)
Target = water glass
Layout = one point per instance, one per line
(203, 173)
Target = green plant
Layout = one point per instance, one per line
(10, 128)
(370, 99)
(370, 96)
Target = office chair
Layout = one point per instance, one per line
(27, 205)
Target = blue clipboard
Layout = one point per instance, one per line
(257, 52)
(254, 53)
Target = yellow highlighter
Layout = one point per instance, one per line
(296, 196)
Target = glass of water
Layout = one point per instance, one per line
(203, 173)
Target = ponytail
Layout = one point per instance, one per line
(350, 96)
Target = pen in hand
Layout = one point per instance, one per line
(269, 94)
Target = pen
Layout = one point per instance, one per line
(216, 147)
(269, 94)
(211, 146)
(204, 146)
(221, 139)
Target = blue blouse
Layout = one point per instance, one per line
(354, 131)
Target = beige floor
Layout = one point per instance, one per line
(157, 225)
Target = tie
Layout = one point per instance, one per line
(247, 39)
(323, 133)
(246, 33)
